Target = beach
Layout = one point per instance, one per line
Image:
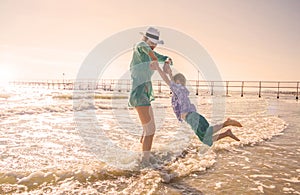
(68, 69)
(68, 142)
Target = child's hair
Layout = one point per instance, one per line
(180, 77)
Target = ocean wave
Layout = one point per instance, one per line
(73, 105)
(53, 140)
(166, 166)
(94, 96)
(5, 96)
(34, 180)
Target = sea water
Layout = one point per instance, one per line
(65, 142)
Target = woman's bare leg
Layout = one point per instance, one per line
(147, 119)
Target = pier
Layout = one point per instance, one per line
(243, 87)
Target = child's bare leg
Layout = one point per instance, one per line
(227, 133)
(231, 122)
(228, 122)
(217, 127)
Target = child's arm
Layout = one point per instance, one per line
(170, 75)
(163, 75)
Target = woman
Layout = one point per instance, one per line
(141, 94)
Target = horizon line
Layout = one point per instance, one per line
(90, 80)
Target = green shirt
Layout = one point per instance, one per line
(139, 66)
(141, 73)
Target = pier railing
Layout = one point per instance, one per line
(196, 86)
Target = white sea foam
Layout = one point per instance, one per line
(40, 143)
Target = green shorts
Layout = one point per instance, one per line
(201, 127)
(142, 95)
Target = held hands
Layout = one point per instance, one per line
(168, 61)
(167, 68)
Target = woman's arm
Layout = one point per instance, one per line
(152, 55)
(161, 58)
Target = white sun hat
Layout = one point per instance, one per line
(153, 35)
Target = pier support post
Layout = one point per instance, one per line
(278, 90)
(128, 85)
(242, 90)
(197, 87)
(159, 86)
(297, 96)
(119, 85)
(227, 85)
(112, 85)
(259, 92)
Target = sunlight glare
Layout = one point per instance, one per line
(5, 76)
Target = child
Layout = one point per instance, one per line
(187, 111)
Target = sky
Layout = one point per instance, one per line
(247, 40)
